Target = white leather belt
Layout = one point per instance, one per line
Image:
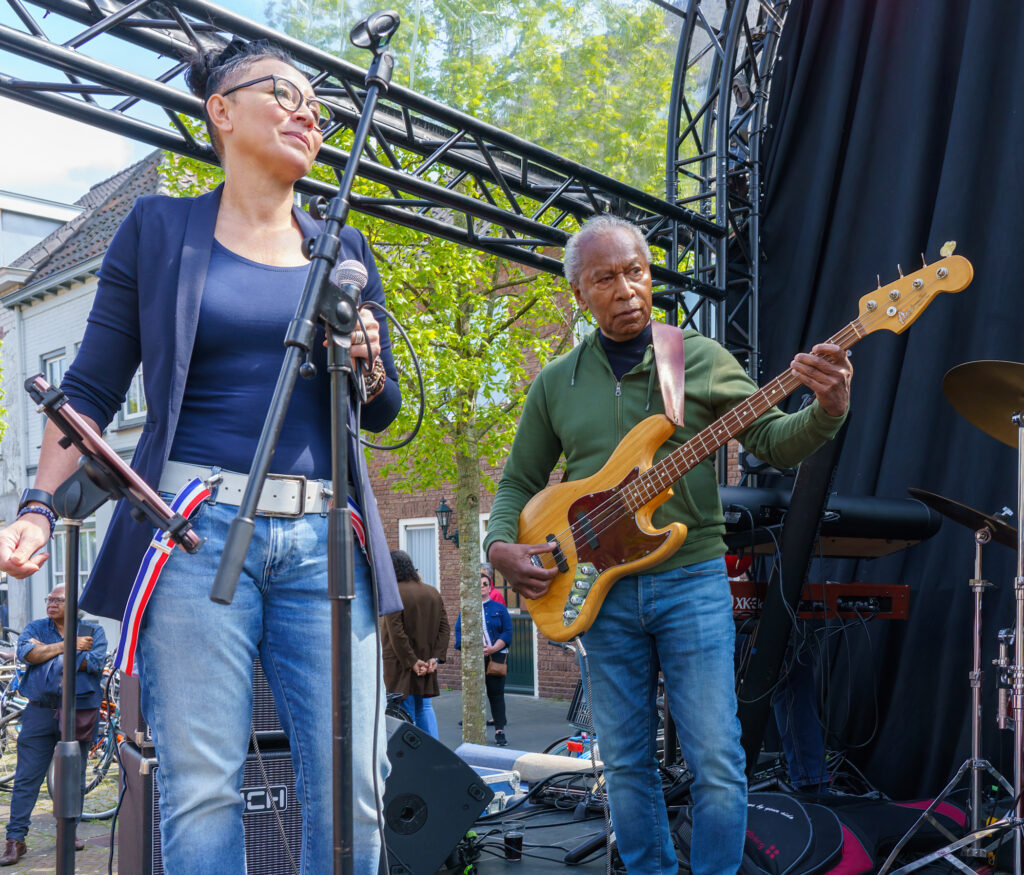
(282, 495)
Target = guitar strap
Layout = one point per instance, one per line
(670, 359)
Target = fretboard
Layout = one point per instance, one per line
(663, 474)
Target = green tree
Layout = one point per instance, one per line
(589, 80)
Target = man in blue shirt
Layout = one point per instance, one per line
(41, 645)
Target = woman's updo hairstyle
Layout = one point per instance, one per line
(210, 72)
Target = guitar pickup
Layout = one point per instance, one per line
(587, 530)
(559, 556)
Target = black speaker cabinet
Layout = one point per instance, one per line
(430, 800)
(264, 713)
(139, 852)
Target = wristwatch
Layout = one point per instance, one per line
(38, 495)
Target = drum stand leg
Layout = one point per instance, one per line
(975, 765)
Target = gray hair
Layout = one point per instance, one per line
(601, 224)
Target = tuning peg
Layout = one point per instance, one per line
(899, 270)
(923, 262)
(878, 279)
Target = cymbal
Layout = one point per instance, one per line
(968, 516)
(987, 394)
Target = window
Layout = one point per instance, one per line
(86, 554)
(418, 537)
(133, 410)
(54, 364)
(19, 232)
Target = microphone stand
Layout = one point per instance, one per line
(322, 300)
(102, 475)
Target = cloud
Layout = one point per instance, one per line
(46, 155)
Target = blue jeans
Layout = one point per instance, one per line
(422, 712)
(196, 663)
(37, 740)
(680, 620)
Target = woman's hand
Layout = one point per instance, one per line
(20, 543)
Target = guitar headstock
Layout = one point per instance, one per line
(894, 306)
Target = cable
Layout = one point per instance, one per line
(419, 378)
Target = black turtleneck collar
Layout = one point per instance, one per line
(625, 355)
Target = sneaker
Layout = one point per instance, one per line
(499, 738)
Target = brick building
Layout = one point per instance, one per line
(46, 296)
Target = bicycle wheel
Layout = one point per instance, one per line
(560, 748)
(102, 776)
(10, 726)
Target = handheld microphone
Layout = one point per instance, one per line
(350, 276)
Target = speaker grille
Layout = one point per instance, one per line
(265, 853)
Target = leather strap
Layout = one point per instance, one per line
(670, 358)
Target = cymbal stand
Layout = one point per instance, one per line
(975, 764)
(1013, 819)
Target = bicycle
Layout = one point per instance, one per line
(12, 703)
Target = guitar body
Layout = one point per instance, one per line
(600, 527)
(597, 547)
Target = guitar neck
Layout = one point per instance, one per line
(662, 475)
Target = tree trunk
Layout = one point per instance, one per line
(467, 504)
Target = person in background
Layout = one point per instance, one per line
(413, 641)
(487, 570)
(41, 645)
(497, 638)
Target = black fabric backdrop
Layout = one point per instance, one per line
(895, 125)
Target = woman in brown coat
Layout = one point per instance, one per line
(414, 641)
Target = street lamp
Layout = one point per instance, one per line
(444, 517)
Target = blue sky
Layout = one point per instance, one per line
(45, 155)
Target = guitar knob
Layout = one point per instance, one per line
(894, 295)
(942, 273)
(919, 284)
(871, 306)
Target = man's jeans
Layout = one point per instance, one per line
(681, 620)
(37, 740)
(196, 664)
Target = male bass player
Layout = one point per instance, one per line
(676, 616)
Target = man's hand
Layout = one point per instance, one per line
(431, 665)
(84, 642)
(489, 649)
(20, 543)
(513, 561)
(826, 370)
(421, 667)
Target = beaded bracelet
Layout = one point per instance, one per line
(374, 381)
(42, 511)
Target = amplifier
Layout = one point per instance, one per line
(264, 713)
(265, 854)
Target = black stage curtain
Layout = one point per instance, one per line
(895, 125)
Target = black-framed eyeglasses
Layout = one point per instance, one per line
(290, 97)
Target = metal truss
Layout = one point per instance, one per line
(437, 170)
(724, 61)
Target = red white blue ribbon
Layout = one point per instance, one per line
(357, 522)
(185, 502)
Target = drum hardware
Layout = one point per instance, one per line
(990, 395)
(975, 764)
(1003, 718)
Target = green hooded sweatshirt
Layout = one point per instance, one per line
(577, 409)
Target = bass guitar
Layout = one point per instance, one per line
(599, 528)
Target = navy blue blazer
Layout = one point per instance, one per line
(146, 310)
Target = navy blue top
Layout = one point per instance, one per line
(499, 624)
(625, 355)
(44, 677)
(235, 363)
(147, 310)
